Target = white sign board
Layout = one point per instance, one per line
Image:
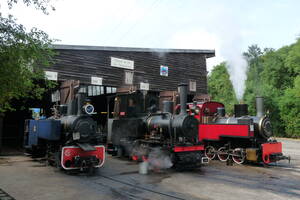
(193, 86)
(121, 63)
(96, 80)
(55, 96)
(51, 75)
(144, 86)
(129, 77)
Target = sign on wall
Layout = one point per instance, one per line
(164, 70)
(128, 77)
(55, 96)
(96, 80)
(193, 86)
(144, 86)
(51, 75)
(121, 63)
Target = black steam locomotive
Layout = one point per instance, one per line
(68, 139)
(137, 128)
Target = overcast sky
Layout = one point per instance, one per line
(223, 25)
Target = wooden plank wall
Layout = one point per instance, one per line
(82, 64)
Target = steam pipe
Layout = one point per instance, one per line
(80, 101)
(71, 108)
(183, 98)
(260, 110)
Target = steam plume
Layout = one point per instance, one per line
(159, 160)
(237, 69)
(231, 48)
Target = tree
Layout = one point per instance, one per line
(220, 87)
(289, 106)
(43, 5)
(22, 56)
(277, 74)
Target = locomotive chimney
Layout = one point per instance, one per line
(260, 110)
(80, 101)
(183, 98)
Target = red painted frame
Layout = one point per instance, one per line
(189, 148)
(69, 152)
(270, 148)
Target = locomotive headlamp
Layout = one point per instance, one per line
(89, 109)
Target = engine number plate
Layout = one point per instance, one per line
(76, 136)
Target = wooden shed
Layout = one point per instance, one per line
(158, 69)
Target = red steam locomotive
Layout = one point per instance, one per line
(241, 137)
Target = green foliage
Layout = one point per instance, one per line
(220, 87)
(289, 105)
(43, 5)
(281, 69)
(22, 54)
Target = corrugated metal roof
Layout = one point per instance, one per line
(210, 53)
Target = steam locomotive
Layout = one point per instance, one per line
(68, 139)
(137, 129)
(240, 138)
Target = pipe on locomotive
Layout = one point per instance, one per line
(260, 110)
(74, 107)
(183, 98)
(80, 102)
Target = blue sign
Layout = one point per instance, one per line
(164, 70)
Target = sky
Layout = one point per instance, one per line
(228, 26)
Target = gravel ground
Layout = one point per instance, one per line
(24, 178)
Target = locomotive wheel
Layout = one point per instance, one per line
(223, 154)
(210, 152)
(238, 156)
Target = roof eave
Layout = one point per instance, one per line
(209, 53)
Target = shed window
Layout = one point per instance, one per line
(110, 90)
(94, 90)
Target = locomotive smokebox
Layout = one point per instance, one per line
(240, 110)
(260, 110)
(185, 125)
(183, 98)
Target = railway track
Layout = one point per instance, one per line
(5, 196)
(127, 190)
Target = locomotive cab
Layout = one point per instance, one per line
(127, 124)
